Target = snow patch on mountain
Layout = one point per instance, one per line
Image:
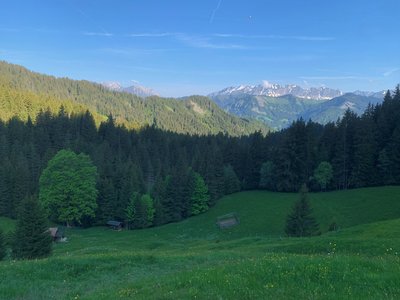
(136, 89)
(269, 89)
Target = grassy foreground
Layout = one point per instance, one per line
(195, 260)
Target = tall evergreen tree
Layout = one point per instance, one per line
(267, 175)
(300, 222)
(2, 245)
(231, 181)
(32, 238)
(199, 196)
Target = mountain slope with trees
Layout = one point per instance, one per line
(24, 93)
(280, 111)
(185, 175)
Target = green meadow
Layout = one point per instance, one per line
(194, 259)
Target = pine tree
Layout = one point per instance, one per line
(200, 197)
(130, 211)
(267, 175)
(300, 221)
(2, 245)
(148, 204)
(231, 181)
(32, 238)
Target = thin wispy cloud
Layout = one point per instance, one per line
(152, 34)
(204, 42)
(194, 41)
(135, 51)
(214, 12)
(273, 36)
(282, 58)
(200, 40)
(332, 77)
(97, 34)
(391, 72)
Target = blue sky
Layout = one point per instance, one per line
(197, 47)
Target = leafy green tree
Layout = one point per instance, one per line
(32, 238)
(200, 197)
(2, 245)
(300, 221)
(323, 174)
(231, 181)
(68, 187)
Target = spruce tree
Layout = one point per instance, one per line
(300, 221)
(267, 175)
(32, 238)
(2, 245)
(200, 197)
(231, 181)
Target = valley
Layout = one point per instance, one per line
(195, 259)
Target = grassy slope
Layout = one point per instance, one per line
(193, 259)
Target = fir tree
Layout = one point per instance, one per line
(130, 211)
(231, 181)
(200, 197)
(32, 238)
(2, 245)
(300, 221)
(267, 175)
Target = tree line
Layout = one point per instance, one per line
(151, 177)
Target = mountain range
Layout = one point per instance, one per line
(233, 111)
(275, 90)
(278, 106)
(135, 89)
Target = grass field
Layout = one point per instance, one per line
(193, 259)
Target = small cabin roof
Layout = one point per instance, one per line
(231, 215)
(114, 223)
(56, 232)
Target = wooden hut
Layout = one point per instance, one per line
(115, 225)
(57, 234)
(228, 220)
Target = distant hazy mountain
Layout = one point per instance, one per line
(331, 110)
(279, 106)
(276, 90)
(137, 90)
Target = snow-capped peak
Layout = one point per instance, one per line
(112, 85)
(136, 89)
(267, 88)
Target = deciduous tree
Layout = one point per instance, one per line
(68, 187)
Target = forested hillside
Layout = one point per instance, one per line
(24, 93)
(183, 175)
